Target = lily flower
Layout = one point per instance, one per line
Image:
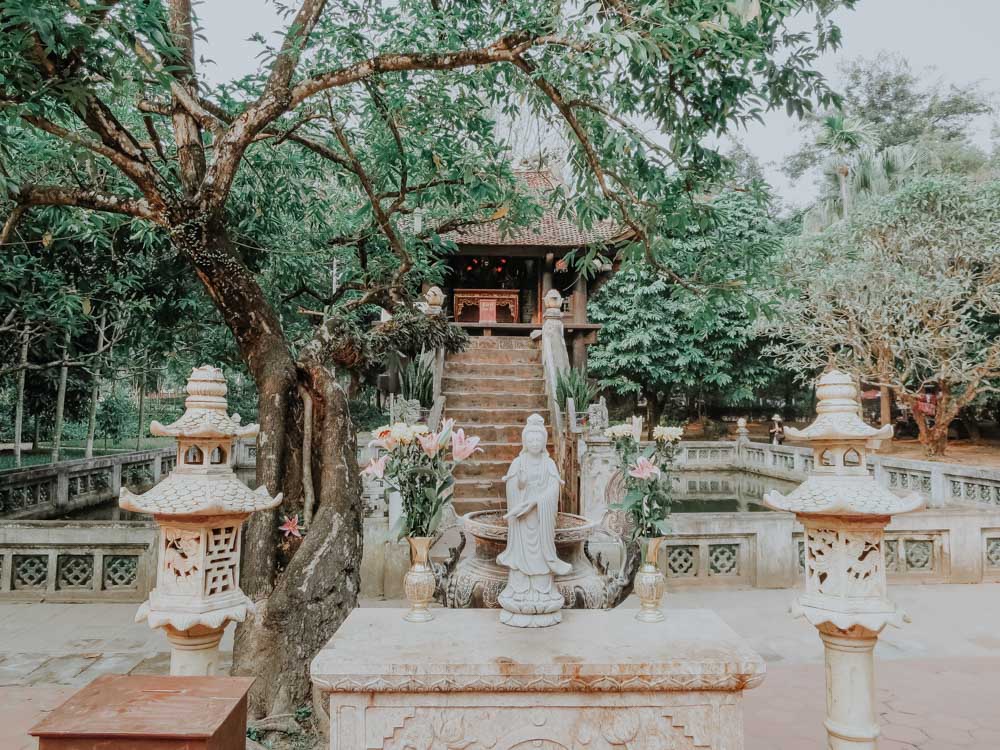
(377, 467)
(291, 527)
(429, 442)
(462, 447)
(644, 469)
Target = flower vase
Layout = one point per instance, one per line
(650, 584)
(418, 583)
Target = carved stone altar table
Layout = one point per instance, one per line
(598, 681)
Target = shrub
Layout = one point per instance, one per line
(573, 383)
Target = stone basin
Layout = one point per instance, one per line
(478, 579)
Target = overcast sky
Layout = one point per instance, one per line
(957, 37)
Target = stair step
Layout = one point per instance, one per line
(502, 342)
(481, 469)
(492, 490)
(482, 383)
(506, 450)
(485, 357)
(494, 434)
(467, 416)
(467, 400)
(453, 369)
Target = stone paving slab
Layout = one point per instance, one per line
(939, 704)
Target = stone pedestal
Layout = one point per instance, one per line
(194, 652)
(150, 712)
(600, 681)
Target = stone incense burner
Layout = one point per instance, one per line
(476, 580)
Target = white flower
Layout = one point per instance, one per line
(402, 433)
(623, 430)
(668, 434)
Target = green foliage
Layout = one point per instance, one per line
(416, 381)
(573, 383)
(116, 417)
(660, 339)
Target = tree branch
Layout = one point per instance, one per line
(98, 200)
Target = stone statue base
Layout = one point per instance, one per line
(530, 601)
(605, 682)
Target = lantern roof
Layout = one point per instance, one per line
(843, 495)
(205, 414)
(199, 495)
(837, 414)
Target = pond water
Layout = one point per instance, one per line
(724, 491)
(694, 492)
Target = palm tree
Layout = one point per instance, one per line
(843, 137)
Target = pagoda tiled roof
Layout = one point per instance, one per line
(551, 230)
(198, 494)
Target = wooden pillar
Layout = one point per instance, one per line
(580, 300)
(579, 316)
(550, 263)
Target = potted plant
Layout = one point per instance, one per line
(414, 463)
(647, 500)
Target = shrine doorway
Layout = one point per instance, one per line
(491, 289)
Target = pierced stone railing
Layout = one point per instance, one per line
(53, 490)
(77, 561)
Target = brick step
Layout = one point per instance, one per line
(504, 451)
(502, 342)
(481, 468)
(482, 383)
(469, 416)
(480, 490)
(453, 369)
(486, 357)
(467, 400)
(494, 434)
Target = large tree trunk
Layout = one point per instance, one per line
(885, 405)
(60, 401)
(300, 607)
(654, 409)
(319, 586)
(19, 405)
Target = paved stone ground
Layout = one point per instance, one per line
(936, 676)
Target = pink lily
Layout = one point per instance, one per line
(462, 447)
(377, 467)
(644, 469)
(429, 442)
(291, 527)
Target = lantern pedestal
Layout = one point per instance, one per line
(851, 723)
(194, 652)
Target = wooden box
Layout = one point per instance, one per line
(150, 712)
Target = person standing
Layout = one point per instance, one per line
(776, 431)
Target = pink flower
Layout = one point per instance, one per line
(377, 467)
(429, 442)
(644, 469)
(291, 527)
(462, 447)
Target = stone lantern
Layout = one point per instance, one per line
(200, 509)
(844, 513)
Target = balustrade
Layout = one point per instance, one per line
(49, 491)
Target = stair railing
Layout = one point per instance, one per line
(437, 405)
(555, 360)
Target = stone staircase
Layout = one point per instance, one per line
(490, 390)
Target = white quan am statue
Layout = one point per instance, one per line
(531, 598)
